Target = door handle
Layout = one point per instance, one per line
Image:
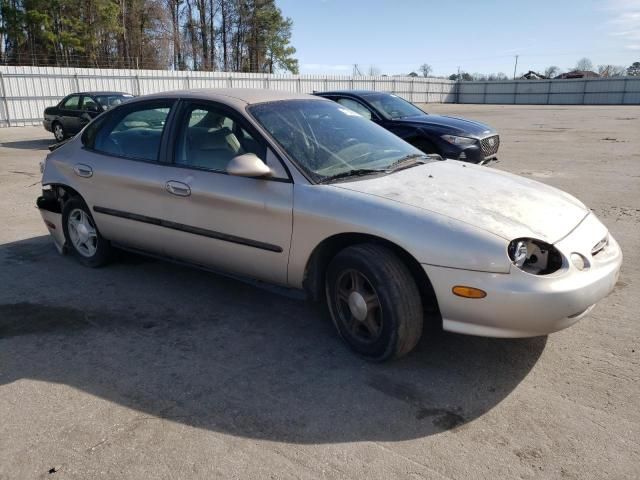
(178, 188)
(83, 170)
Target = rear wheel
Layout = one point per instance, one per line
(374, 302)
(82, 235)
(58, 131)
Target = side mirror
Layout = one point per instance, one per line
(248, 165)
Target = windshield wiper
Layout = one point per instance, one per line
(356, 172)
(400, 163)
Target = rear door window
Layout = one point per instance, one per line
(135, 133)
(72, 103)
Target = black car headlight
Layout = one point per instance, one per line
(459, 141)
(534, 256)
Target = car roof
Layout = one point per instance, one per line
(99, 93)
(360, 93)
(246, 96)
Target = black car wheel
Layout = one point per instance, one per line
(82, 235)
(374, 302)
(58, 131)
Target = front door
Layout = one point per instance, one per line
(70, 114)
(219, 220)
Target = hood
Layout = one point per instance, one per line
(498, 202)
(450, 124)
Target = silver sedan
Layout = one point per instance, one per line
(300, 191)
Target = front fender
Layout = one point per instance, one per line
(322, 211)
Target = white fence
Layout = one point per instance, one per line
(26, 91)
(592, 91)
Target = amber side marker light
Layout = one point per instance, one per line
(468, 292)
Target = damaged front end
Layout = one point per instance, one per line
(50, 206)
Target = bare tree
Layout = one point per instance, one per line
(584, 64)
(612, 70)
(552, 71)
(426, 69)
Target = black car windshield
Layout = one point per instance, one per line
(110, 101)
(327, 140)
(392, 106)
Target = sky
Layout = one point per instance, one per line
(483, 36)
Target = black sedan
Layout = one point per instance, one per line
(76, 110)
(450, 137)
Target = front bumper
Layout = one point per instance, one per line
(480, 153)
(519, 304)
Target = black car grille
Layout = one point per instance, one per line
(490, 145)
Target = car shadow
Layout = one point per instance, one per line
(231, 356)
(38, 144)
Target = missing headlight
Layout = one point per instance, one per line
(535, 257)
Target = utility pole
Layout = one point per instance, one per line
(515, 67)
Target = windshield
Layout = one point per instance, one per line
(393, 106)
(110, 101)
(326, 139)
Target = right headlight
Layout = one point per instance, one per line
(534, 256)
(459, 141)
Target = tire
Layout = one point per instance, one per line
(58, 131)
(88, 246)
(393, 327)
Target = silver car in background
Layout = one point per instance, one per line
(300, 191)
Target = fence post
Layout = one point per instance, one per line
(393, 87)
(4, 98)
(549, 92)
(266, 82)
(515, 92)
(374, 84)
(139, 90)
(230, 79)
(624, 91)
(299, 85)
(411, 89)
(427, 92)
(484, 94)
(76, 81)
(186, 81)
(584, 90)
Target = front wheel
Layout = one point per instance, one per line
(82, 235)
(374, 302)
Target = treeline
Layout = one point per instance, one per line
(228, 35)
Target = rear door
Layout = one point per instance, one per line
(123, 174)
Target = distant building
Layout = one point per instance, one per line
(578, 74)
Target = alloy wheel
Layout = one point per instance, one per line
(82, 233)
(358, 306)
